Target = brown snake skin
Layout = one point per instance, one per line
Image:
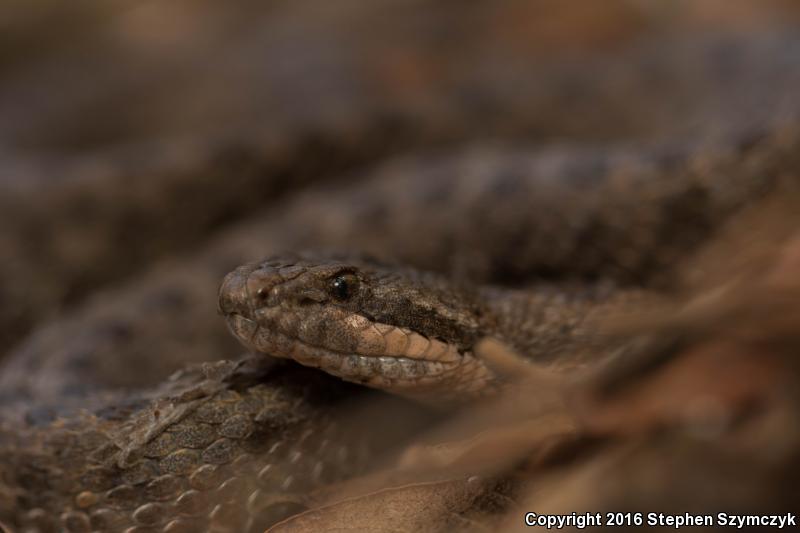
(230, 447)
(514, 239)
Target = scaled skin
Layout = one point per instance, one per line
(232, 446)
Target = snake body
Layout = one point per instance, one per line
(238, 446)
(201, 450)
(227, 447)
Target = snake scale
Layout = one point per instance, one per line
(421, 260)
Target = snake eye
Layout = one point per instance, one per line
(344, 286)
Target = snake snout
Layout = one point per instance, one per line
(233, 296)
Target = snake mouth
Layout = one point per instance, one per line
(242, 328)
(411, 373)
(374, 370)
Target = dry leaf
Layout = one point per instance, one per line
(462, 504)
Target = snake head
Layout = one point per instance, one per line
(395, 329)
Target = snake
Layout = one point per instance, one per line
(401, 330)
(240, 444)
(525, 245)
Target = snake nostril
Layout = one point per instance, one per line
(262, 285)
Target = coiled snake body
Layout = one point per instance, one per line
(239, 445)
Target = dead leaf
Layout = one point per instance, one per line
(461, 504)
